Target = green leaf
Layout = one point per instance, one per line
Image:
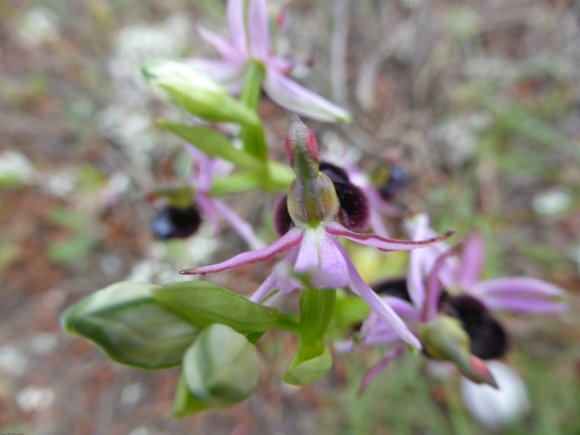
(212, 144)
(236, 183)
(349, 311)
(130, 327)
(202, 303)
(196, 92)
(70, 251)
(309, 370)
(185, 403)
(253, 136)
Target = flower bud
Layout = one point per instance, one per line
(444, 339)
(126, 322)
(312, 198)
(196, 92)
(221, 368)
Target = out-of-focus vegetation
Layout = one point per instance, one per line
(480, 102)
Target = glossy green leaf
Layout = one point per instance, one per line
(202, 303)
(211, 143)
(130, 327)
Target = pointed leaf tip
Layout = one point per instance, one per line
(300, 139)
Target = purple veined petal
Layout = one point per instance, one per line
(292, 96)
(287, 241)
(208, 210)
(259, 30)
(472, 259)
(382, 243)
(385, 313)
(239, 225)
(222, 46)
(520, 294)
(226, 72)
(320, 256)
(236, 24)
(380, 366)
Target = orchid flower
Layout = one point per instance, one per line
(204, 170)
(312, 244)
(249, 41)
(439, 285)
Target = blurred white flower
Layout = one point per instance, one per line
(35, 398)
(495, 408)
(552, 203)
(16, 167)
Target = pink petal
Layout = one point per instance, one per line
(209, 212)
(520, 294)
(320, 257)
(403, 308)
(259, 29)
(283, 244)
(385, 313)
(292, 96)
(434, 287)
(236, 24)
(222, 46)
(265, 288)
(471, 266)
(382, 243)
(239, 225)
(380, 366)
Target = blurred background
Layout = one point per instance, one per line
(478, 101)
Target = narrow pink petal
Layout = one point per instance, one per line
(343, 346)
(434, 287)
(381, 338)
(265, 288)
(259, 29)
(382, 243)
(520, 294)
(403, 308)
(225, 72)
(416, 279)
(239, 225)
(236, 24)
(208, 210)
(472, 259)
(380, 366)
(222, 46)
(320, 257)
(385, 313)
(292, 96)
(283, 244)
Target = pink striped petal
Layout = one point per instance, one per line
(239, 225)
(380, 367)
(385, 313)
(292, 96)
(472, 259)
(520, 294)
(226, 72)
(320, 257)
(287, 241)
(236, 24)
(382, 243)
(259, 29)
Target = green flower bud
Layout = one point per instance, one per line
(444, 339)
(221, 368)
(129, 325)
(196, 92)
(312, 198)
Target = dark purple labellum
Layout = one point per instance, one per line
(488, 338)
(175, 223)
(282, 220)
(335, 173)
(354, 207)
(396, 182)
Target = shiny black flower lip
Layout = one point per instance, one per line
(175, 223)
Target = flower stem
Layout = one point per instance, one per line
(253, 136)
(316, 310)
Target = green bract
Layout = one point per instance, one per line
(128, 324)
(221, 368)
(196, 92)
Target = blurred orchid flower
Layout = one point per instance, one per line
(203, 171)
(312, 245)
(249, 41)
(441, 286)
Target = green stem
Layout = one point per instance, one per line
(316, 310)
(253, 136)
